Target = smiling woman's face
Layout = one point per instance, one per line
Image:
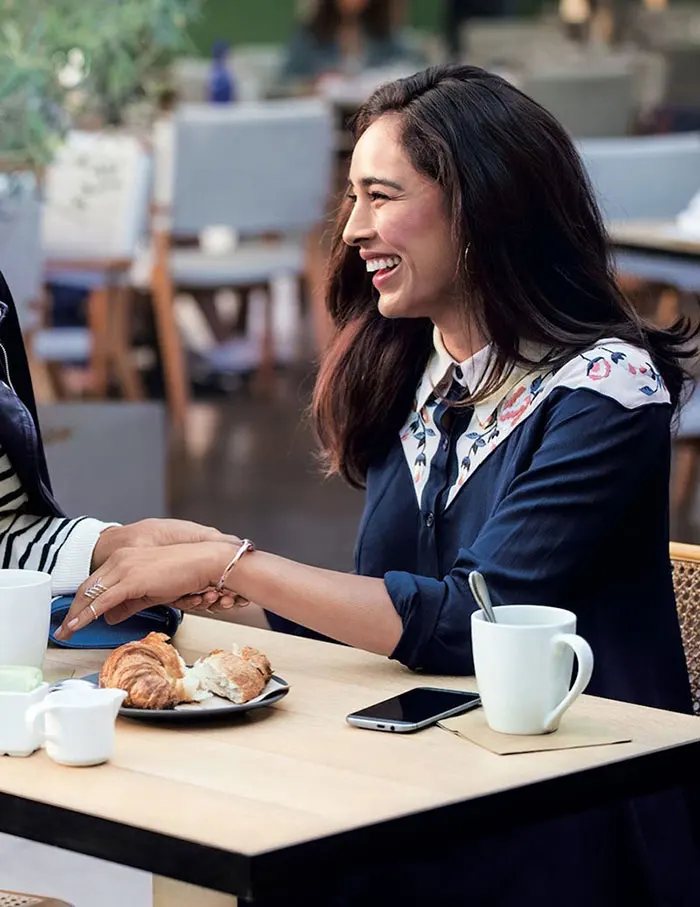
(399, 225)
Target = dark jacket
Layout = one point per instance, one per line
(20, 435)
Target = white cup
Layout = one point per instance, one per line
(25, 616)
(76, 726)
(523, 666)
(16, 739)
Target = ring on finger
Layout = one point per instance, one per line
(94, 612)
(95, 590)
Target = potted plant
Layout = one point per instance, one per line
(33, 118)
(31, 95)
(73, 64)
(64, 62)
(128, 47)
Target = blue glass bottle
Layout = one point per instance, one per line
(222, 89)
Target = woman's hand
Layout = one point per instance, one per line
(151, 533)
(157, 533)
(138, 578)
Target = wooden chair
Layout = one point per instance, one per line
(262, 170)
(96, 206)
(685, 561)
(668, 166)
(19, 899)
(594, 103)
(21, 262)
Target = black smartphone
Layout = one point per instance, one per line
(414, 709)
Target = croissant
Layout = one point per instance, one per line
(151, 672)
(256, 658)
(240, 675)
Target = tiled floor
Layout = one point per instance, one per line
(82, 881)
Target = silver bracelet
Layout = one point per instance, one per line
(246, 545)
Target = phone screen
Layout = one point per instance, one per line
(417, 705)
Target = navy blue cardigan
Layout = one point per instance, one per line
(556, 489)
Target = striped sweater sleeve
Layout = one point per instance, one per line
(57, 545)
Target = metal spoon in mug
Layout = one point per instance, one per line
(477, 584)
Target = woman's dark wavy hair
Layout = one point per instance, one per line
(538, 266)
(375, 19)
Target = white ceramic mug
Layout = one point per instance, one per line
(25, 616)
(16, 739)
(523, 666)
(76, 725)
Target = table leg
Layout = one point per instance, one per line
(265, 375)
(98, 322)
(127, 372)
(668, 309)
(174, 360)
(170, 893)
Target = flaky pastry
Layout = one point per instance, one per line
(239, 676)
(151, 672)
(154, 675)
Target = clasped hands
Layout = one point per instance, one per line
(154, 561)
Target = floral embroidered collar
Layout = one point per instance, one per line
(613, 368)
(442, 369)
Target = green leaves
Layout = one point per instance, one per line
(127, 46)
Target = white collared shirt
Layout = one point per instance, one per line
(472, 374)
(613, 368)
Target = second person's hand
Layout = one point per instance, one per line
(157, 533)
(152, 533)
(132, 579)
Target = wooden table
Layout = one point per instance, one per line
(291, 794)
(654, 235)
(657, 250)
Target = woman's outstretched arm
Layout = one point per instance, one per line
(356, 610)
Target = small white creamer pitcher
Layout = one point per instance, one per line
(16, 738)
(76, 726)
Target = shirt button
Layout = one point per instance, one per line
(458, 372)
(430, 520)
(445, 443)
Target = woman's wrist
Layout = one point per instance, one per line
(108, 541)
(219, 557)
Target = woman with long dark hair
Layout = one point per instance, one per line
(346, 36)
(507, 411)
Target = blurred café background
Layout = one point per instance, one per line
(168, 174)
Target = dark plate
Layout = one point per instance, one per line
(276, 689)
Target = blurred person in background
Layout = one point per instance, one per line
(345, 37)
